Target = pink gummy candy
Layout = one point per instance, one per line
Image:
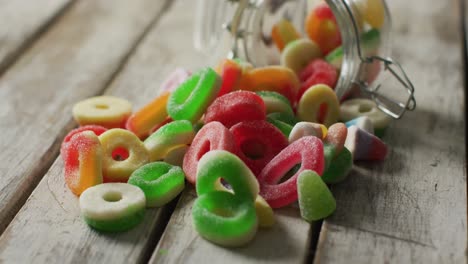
(336, 136)
(258, 142)
(178, 76)
(365, 146)
(212, 136)
(236, 107)
(306, 151)
(98, 130)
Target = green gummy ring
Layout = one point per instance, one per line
(284, 117)
(190, 100)
(285, 128)
(160, 181)
(117, 225)
(275, 102)
(339, 167)
(217, 164)
(224, 219)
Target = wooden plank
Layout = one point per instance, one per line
(73, 60)
(412, 207)
(22, 21)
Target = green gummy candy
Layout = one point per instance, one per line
(222, 218)
(160, 182)
(282, 126)
(329, 154)
(190, 100)
(315, 199)
(117, 225)
(339, 168)
(275, 102)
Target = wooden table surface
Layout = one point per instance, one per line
(412, 208)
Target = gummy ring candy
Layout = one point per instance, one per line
(303, 129)
(231, 74)
(272, 78)
(284, 127)
(337, 136)
(313, 98)
(363, 123)
(106, 111)
(225, 219)
(83, 161)
(275, 102)
(190, 100)
(321, 27)
(115, 169)
(152, 114)
(307, 151)
(236, 107)
(211, 136)
(317, 72)
(299, 53)
(177, 77)
(257, 143)
(179, 132)
(218, 164)
(283, 32)
(163, 123)
(113, 207)
(372, 11)
(339, 167)
(97, 130)
(175, 156)
(315, 199)
(365, 146)
(364, 107)
(161, 182)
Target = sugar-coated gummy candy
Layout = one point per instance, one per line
(355, 108)
(308, 108)
(315, 199)
(220, 164)
(231, 74)
(365, 146)
(321, 27)
(308, 152)
(190, 100)
(275, 102)
(179, 132)
(175, 156)
(166, 121)
(336, 136)
(83, 161)
(113, 207)
(236, 107)
(265, 214)
(152, 114)
(177, 77)
(362, 122)
(257, 143)
(284, 127)
(97, 130)
(372, 11)
(106, 111)
(272, 78)
(284, 32)
(212, 136)
(116, 169)
(224, 218)
(317, 72)
(299, 53)
(304, 129)
(339, 167)
(161, 182)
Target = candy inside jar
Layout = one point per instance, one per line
(352, 36)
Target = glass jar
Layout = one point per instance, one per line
(242, 28)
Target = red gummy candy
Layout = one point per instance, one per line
(317, 72)
(212, 136)
(236, 107)
(258, 142)
(231, 74)
(306, 151)
(98, 130)
(336, 136)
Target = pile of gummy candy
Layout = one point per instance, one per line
(249, 140)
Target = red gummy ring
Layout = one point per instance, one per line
(258, 142)
(236, 107)
(307, 151)
(212, 136)
(317, 72)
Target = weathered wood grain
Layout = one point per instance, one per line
(21, 21)
(412, 207)
(73, 60)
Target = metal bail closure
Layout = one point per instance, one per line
(390, 106)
